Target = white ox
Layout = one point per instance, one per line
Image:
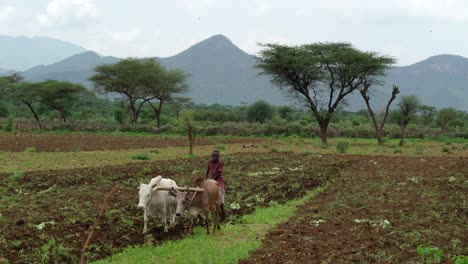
(160, 201)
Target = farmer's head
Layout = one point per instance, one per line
(215, 155)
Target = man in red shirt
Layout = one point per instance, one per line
(215, 171)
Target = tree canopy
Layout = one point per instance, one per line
(321, 74)
(140, 81)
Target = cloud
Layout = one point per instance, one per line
(6, 13)
(67, 12)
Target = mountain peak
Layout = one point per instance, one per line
(444, 63)
(217, 45)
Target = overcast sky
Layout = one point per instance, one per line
(409, 30)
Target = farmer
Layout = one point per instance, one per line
(215, 171)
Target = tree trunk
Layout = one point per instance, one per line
(157, 112)
(191, 137)
(379, 129)
(62, 115)
(379, 134)
(323, 130)
(402, 137)
(34, 113)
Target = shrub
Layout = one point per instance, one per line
(140, 157)
(260, 111)
(446, 149)
(430, 254)
(397, 150)
(119, 116)
(10, 123)
(342, 146)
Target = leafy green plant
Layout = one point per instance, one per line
(140, 157)
(342, 146)
(430, 254)
(460, 259)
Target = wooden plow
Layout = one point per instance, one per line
(180, 189)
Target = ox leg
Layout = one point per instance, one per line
(145, 220)
(173, 217)
(190, 230)
(215, 212)
(164, 219)
(218, 225)
(207, 221)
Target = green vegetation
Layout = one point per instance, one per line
(140, 157)
(430, 254)
(342, 146)
(321, 74)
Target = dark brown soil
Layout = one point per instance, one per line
(48, 142)
(424, 200)
(67, 201)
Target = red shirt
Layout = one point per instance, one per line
(215, 168)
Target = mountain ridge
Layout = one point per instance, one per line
(223, 73)
(21, 53)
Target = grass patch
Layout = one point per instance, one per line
(30, 150)
(140, 157)
(220, 147)
(233, 242)
(342, 146)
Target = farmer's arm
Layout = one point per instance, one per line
(219, 171)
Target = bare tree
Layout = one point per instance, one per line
(379, 128)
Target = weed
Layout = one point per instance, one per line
(430, 254)
(342, 146)
(308, 152)
(140, 157)
(154, 151)
(273, 150)
(397, 150)
(460, 259)
(445, 149)
(30, 150)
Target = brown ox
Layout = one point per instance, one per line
(199, 203)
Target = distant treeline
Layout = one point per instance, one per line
(152, 100)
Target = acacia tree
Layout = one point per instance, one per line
(427, 114)
(407, 109)
(320, 74)
(168, 87)
(28, 94)
(445, 117)
(379, 128)
(60, 96)
(8, 82)
(128, 77)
